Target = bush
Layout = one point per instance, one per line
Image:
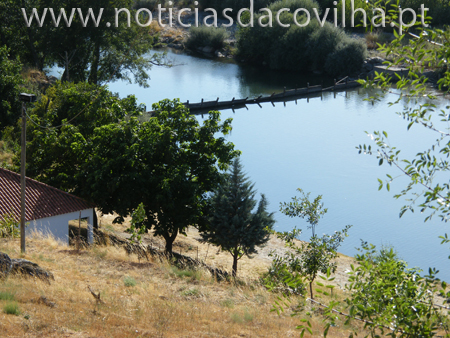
(347, 58)
(9, 227)
(321, 43)
(191, 293)
(6, 296)
(272, 45)
(180, 273)
(129, 281)
(203, 36)
(439, 10)
(358, 15)
(283, 276)
(297, 48)
(11, 309)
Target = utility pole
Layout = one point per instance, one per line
(24, 98)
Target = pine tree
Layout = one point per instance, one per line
(233, 226)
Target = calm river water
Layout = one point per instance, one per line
(311, 145)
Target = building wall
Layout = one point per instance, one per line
(59, 225)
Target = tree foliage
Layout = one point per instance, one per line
(104, 154)
(310, 258)
(61, 129)
(168, 163)
(10, 81)
(233, 226)
(428, 188)
(302, 207)
(95, 54)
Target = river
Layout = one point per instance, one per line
(311, 145)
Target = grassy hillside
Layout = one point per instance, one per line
(138, 298)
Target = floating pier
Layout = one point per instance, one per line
(285, 96)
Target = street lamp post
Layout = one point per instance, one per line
(24, 98)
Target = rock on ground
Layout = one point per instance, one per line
(22, 267)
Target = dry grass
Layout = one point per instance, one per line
(33, 75)
(154, 27)
(377, 37)
(139, 299)
(173, 34)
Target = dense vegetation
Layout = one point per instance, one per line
(203, 36)
(300, 48)
(10, 81)
(94, 54)
(168, 163)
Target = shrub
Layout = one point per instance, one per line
(284, 275)
(347, 58)
(297, 48)
(11, 308)
(180, 273)
(129, 281)
(9, 227)
(6, 296)
(274, 45)
(204, 36)
(191, 293)
(358, 15)
(239, 319)
(321, 43)
(229, 303)
(377, 37)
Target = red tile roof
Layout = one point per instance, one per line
(41, 199)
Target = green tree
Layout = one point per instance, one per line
(104, 154)
(317, 255)
(10, 81)
(310, 258)
(62, 127)
(88, 52)
(168, 163)
(304, 208)
(233, 226)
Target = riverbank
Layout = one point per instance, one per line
(176, 36)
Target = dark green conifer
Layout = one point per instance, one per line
(233, 225)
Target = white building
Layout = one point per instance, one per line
(47, 209)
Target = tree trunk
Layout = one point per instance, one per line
(93, 76)
(169, 243)
(310, 285)
(235, 261)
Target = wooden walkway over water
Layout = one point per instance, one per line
(285, 96)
